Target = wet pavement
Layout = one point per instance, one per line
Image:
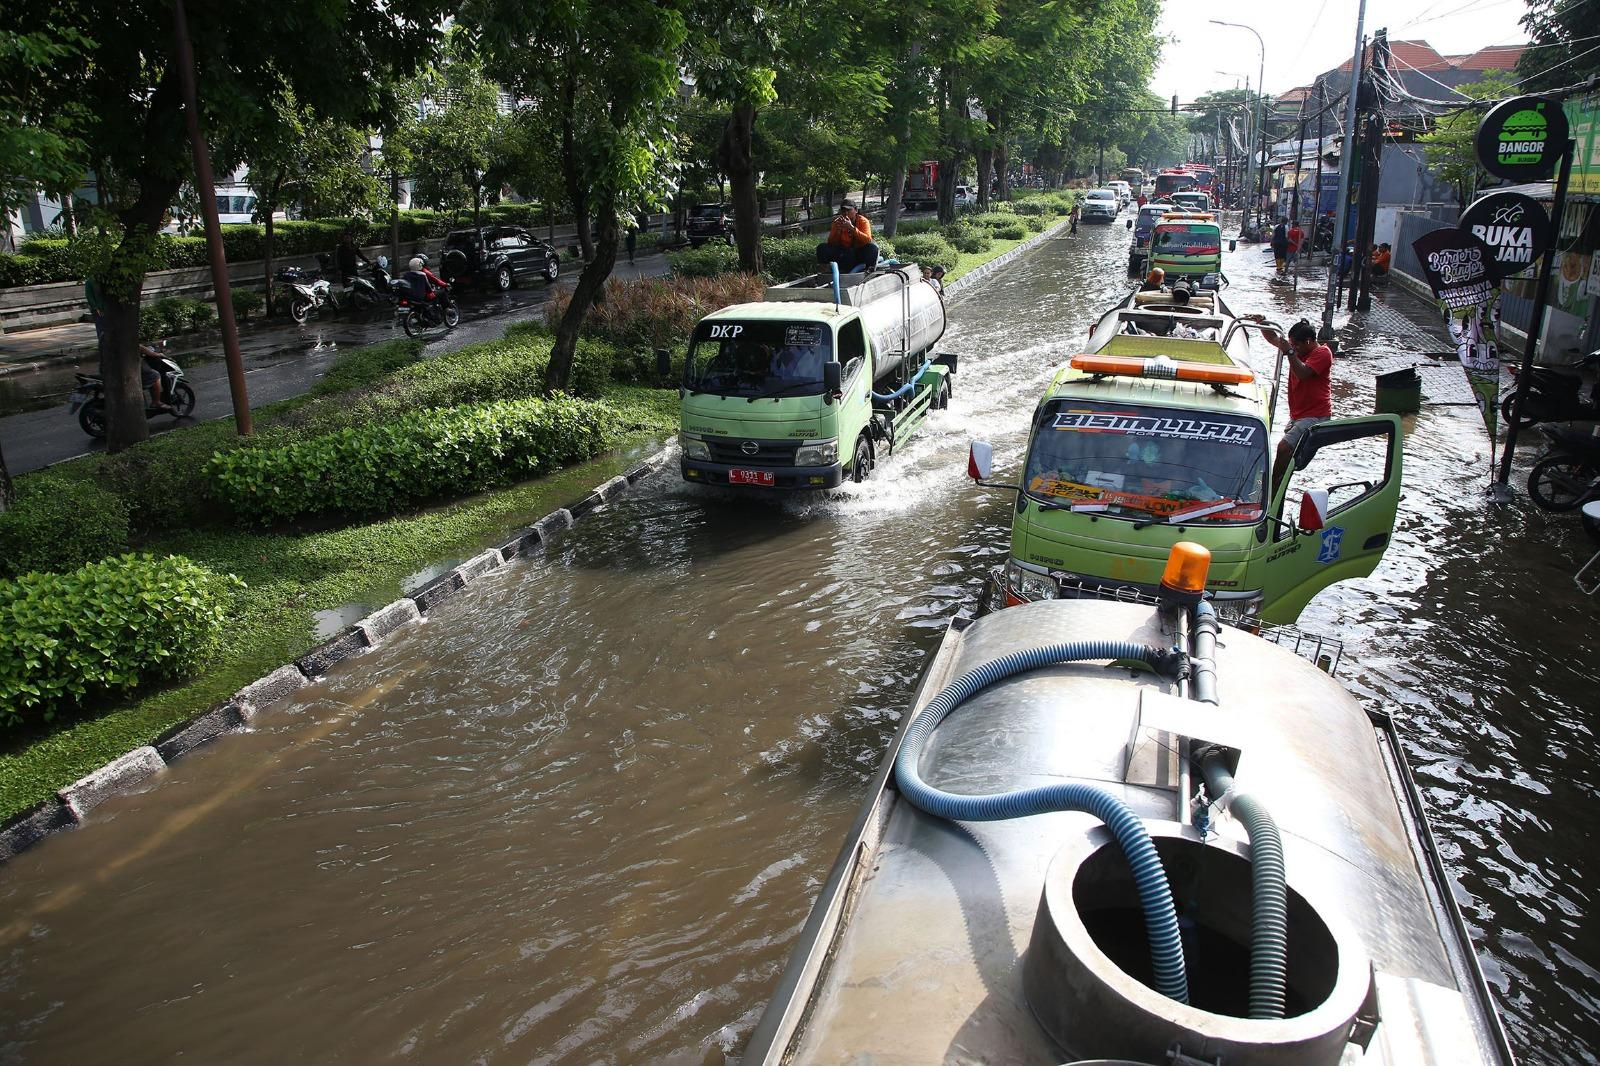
(580, 813)
(281, 361)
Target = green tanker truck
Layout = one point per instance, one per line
(818, 382)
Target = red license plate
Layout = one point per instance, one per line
(750, 477)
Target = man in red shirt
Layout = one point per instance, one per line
(1297, 237)
(1310, 373)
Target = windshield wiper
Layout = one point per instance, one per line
(775, 393)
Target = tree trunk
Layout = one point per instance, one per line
(394, 224)
(266, 255)
(1002, 162)
(891, 210)
(576, 193)
(735, 157)
(590, 284)
(121, 284)
(985, 172)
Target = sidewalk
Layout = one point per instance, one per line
(76, 342)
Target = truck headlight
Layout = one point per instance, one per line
(1028, 585)
(695, 448)
(825, 454)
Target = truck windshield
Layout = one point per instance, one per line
(1191, 240)
(1166, 184)
(1145, 463)
(755, 359)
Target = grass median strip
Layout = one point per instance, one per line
(292, 575)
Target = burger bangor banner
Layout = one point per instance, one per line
(1457, 265)
(1515, 227)
(1521, 139)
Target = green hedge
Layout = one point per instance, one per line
(58, 523)
(46, 259)
(424, 455)
(104, 628)
(706, 261)
(970, 239)
(172, 315)
(926, 249)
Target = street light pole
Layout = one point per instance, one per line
(1261, 85)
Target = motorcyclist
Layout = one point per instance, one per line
(422, 281)
(150, 379)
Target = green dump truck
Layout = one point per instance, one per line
(819, 382)
(1161, 433)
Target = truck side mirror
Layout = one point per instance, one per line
(1130, 223)
(980, 460)
(1313, 510)
(663, 363)
(832, 377)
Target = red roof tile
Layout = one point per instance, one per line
(1418, 55)
(1494, 57)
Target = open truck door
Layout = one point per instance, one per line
(1343, 487)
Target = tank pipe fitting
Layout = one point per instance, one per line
(907, 388)
(1269, 902)
(837, 295)
(1203, 659)
(1150, 877)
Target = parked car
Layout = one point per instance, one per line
(1123, 190)
(966, 196)
(1142, 226)
(1101, 205)
(710, 222)
(500, 256)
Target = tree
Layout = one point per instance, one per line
(600, 74)
(1448, 147)
(454, 131)
(1555, 60)
(115, 98)
(319, 164)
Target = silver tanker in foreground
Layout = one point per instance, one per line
(1138, 837)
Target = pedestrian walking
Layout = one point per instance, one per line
(1074, 216)
(1280, 244)
(1296, 238)
(97, 309)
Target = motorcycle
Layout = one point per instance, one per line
(1568, 475)
(88, 400)
(304, 292)
(439, 310)
(1556, 394)
(310, 292)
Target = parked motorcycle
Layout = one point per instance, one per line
(311, 292)
(1568, 475)
(88, 400)
(1556, 394)
(303, 291)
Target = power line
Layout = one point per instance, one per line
(1570, 59)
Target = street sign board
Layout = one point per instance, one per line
(1457, 266)
(1521, 139)
(1515, 227)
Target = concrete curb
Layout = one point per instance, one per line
(72, 803)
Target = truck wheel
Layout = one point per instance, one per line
(942, 400)
(861, 465)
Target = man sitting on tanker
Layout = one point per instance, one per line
(849, 241)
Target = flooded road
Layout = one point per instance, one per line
(580, 813)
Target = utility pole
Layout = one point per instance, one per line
(1371, 173)
(206, 188)
(1316, 195)
(1294, 203)
(1346, 157)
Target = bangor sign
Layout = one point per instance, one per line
(1521, 139)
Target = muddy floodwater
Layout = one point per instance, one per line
(580, 813)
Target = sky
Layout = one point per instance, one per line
(1306, 37)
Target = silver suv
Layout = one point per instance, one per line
(1101, 205)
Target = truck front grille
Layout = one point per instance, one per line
(733, 450)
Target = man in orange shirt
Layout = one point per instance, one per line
(1381, 258)
(849, 241)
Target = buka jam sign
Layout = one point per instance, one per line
(1522, 139)
(1515, 227)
